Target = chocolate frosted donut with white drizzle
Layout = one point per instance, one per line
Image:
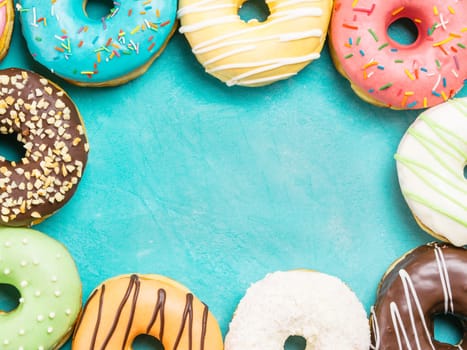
(255, 53)
(427, 281)
(48, 124)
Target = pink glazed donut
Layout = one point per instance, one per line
(7, 19)
(386, 73)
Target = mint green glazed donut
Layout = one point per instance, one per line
(45, 275)
(97, 52)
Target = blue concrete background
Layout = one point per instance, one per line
(216, 186)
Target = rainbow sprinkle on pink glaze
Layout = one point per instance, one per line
(425, 73)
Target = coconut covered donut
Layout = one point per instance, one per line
(427, 281)
(45, 275)
(318, 307)
(47, 123)
(387, 73)
(254, 53)
(126, 306)
(431, 159)
(97, 52)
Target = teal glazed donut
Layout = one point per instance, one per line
(89, 52)
(45, 275)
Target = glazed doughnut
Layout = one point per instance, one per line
(254, 53)
(126, 306)
(386, 73)
(431, 159)
(45, 275)
(318, 307)
(427, 281)
(47, 122)
(7, 20)
(88, 52)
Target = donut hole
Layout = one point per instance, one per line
(9, 298)
(97, 9)
(146, 342)
(403, 31)
(448, 329)
(295, 342)
(10, 148)
(254, 10)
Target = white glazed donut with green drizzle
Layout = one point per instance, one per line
(431, 159)
(97, 52)
(45, 275)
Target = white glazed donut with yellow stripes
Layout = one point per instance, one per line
(431, 160)
(255, 53)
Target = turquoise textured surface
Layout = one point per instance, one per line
(216, 186)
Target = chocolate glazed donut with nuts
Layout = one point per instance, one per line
(48, 124)
(427, 281)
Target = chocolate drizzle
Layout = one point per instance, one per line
(133, 308)
(133, 293)
(119, 311)
(159, 309)
(204, 326)
(187, 313)
(99, 315)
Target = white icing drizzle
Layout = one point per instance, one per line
(445, 282)
(261, 80)
(305, 12)
(229, 53)
(375, 329)
(294, 2)
(317, 33)
(208, 23)
(410, 293)
(196, 9)
(281, 62)
(248, 30)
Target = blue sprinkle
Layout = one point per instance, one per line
(444, 82)
(413, 104)
(95, 39)
(362, 53)
(436, 94)
(350, 41)
(393, 49)
(371, 91)
(380, 67)
(423, 69)
(148, 8)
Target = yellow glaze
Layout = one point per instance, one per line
(255, 53)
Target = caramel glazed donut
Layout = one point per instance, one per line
(126, 306)
(428, 280)
(47, 122)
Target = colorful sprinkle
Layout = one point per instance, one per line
(385, 86)
(373, 34)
